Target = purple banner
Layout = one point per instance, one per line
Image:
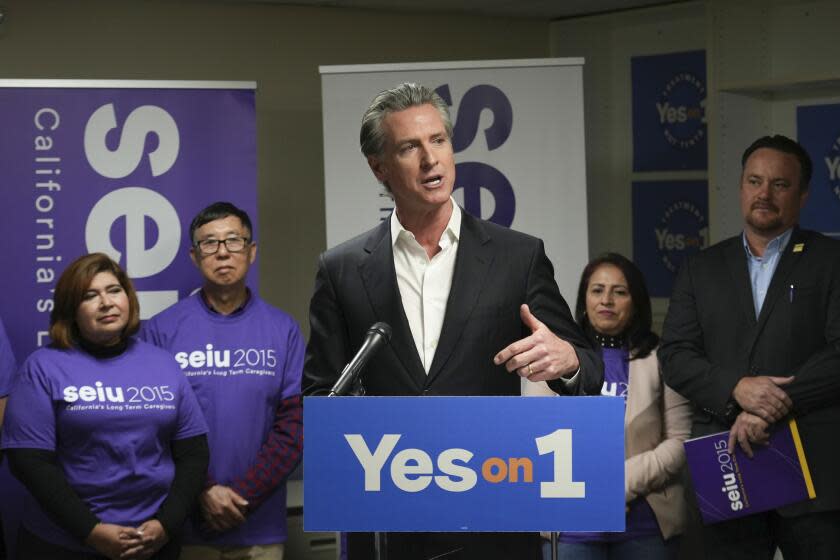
(117, 170)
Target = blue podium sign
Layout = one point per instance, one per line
(464, 464)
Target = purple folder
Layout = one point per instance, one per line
(729, 486)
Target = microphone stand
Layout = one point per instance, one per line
(354, 387)
(377, 335)
(380, 539)
(380, 545)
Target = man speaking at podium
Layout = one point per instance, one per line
(472, 305)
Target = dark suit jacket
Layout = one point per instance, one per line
(496, 270)
(711, 339)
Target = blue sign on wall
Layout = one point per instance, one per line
(464, 464)
(669, 111)
(670, 222)
(818, 128)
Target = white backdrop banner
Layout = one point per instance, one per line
(518, 140)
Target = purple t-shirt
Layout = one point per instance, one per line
(7, 363)
(110, 421)
(640, 521)
(241, 366)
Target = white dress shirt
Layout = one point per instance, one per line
(424, 283)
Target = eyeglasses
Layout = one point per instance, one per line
(232, 244)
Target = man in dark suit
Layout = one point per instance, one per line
(752, 338)
(473, 306)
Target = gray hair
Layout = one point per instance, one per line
(400, 98)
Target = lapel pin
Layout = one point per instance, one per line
(798, 248)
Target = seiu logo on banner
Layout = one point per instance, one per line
(118, 171)
(818, 129)
(670, 222)
(464, 464)
(484, 189)
(669, 111)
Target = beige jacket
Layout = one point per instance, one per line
(656, 422)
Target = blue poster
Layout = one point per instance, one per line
(818, 129)
(464, 464)
(670, 222)
(669, 112)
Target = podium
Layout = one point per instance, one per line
(471, 464)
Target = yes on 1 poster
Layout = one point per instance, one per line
(818, 129)
(670, 222)
(669, 112)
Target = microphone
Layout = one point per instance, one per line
(377, 335)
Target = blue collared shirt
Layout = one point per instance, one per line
(762, 268)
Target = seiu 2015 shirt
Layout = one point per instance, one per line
(110, 422)
(245, 369)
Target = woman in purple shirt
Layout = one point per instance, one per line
(103, 429)
(613, 308)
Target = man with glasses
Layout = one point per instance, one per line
(243, 358)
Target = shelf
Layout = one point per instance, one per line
(763, 88)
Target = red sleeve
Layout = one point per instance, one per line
(278, 456)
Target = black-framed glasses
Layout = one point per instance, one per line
(232, 244)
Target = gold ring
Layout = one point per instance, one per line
(530, 371)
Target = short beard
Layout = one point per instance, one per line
(774, 224)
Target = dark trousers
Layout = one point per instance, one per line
(814, 536)
(32, 547)
(448, 546)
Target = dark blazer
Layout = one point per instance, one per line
(496, 270)
(711, 339)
